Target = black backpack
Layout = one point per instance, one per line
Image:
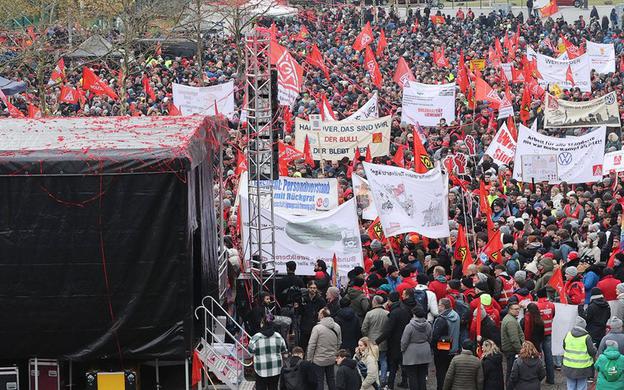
(420, 296)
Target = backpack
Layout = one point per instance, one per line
(611, 371)
(291, 377)
(420, 296)
(461, 308)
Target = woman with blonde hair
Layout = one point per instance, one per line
(367, 356)
(527, 371)
(492, 363)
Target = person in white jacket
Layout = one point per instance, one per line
(432, 300)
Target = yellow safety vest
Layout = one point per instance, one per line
(575, 354)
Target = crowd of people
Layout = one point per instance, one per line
(411, 304)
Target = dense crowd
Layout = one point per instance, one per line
(411, 304)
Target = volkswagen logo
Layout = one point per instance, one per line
(565, 158)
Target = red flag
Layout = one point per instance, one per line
(511, 126)
(622, 64)
(307, 152)
(173, 110)
(570, 76)
(68, 95)
(356, 160)
(315, 58)
(416, 25)
(14, 112)
(372, 68)
(148, 88)
(364, 39)
(303, 34)
(403, 73)
(368, 158)
(437, 19)
(494, 247)
(507, 44)
(478, 329)
(375, 230)
(484, 206)
(615, 251)
(462, 250)
(525, 105)
(573, 50)
(398, 158)
(58, 74)
(33, 111)
(556, 282)
(334, 271)
(196, 370)
(498, 47)
(536, 90)
(289, 73)
(485, 92)
(439, 58)
(286, 155)
(288, 123)
(90, 82)
(549, 10)
(381, 44)
(241, 163)
(273, 31)
(326, 111)
(422, 161)
(462, 75)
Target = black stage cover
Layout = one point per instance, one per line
(106, 236)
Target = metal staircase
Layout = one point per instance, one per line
(226, 360)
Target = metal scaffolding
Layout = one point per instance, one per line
(261, 229)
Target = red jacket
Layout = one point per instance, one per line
(607, 285)
(469, 295)
(575, 291)
(438, 288)
(406, 283)
(547, 310)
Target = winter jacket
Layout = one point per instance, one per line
(547, 272)
(527, 374)
(489, 331)
(578, 373)
(373, 325)
(590, 280)
(575, 290)
(324, 343)
(464, 373)
(607, 285)
(597, 314)
(447, 325)
(493, 372)
(415, 342)
(512, 336)
(617, 336)
(438, 286)
(398, 318)
(303, 370)
(372, 372)
(609, 358)
(359, 303)
(349, 326)
(309, 312)
(348, 376)
(432, 302)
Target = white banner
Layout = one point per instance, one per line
(410, 202)
(338, 139)
(426, 104)
(579, 159)
(565, 316)
(364, 197)
(306, 239)
(506, 67)
(537, 4)
(613, 161)
(201, 100)
(601, 56)
(299, 196)
(503, 147)
(602, 111)
(368, 111)
(554, 71)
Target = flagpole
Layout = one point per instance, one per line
(466, 218)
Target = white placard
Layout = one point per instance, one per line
(426, 104)
(368, 111)
(502, 149)
(613, 161)
(601, 56)
(538, 167)
(364, 197)
(553, 71)
(201, 100)
(565, 316)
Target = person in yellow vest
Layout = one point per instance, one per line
(578, 356)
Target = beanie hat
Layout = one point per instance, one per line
(620, 288)
(456, 284)
(615, 323)
(541, 293)
(482, 286)
(520, 276)
(486, 299)
(422, 279)
(375, 245)
(482, 277)
(393, 297)
(596, 293)
(392, 269)
(572, 271)
(468, 282)
(573, 256)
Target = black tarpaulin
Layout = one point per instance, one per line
(98, 250)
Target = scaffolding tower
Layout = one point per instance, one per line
(261, 229)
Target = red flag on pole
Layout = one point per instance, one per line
(440, 60)
(556, 282)
(364, 39)
(372, 67)
(68, 95)
(381, 44)
(422, 161)
(494, 247)
(356, 160)
(241, 163)
(334, 271)
(462, 250)
(33, 111)
(484, 206)
(375, 230)
(487, 93)
(549, 10)
(462, 75)
(570, 76)
(307, 152)
(315, 58)
(148, 88)
(91, 82)
(58, 74)
(403, 73)
(196, 369)
(368, 158)
(525, 105)
(327, 114)
(173, 110)
(398, 158)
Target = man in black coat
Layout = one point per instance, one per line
(597, 314)
(398, 318)
(311, 303)
(297, 373)
(288, 281)
(347, 375)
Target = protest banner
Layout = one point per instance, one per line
(306, 239)
(613, 161)
(579, 159)
(478, 63)
(502, 149)
(299, 196)
(539, 167)
(602, 111)
(410, 202)
(554, 70)
(201, 100)
(426, 104)
(565, 316)
(368, 111)
(601, 56)
(364, 197)
(338, 139)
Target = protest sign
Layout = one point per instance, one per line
(426, 104)
(368, 111)
(554, 70)
(201, 100)
(579, 159)
(602, 111)
(613, 161)
(502, 149)
(538, 167)
(601, 56)
(364, 197)
(410, 202)
(478, 63)
(338, 139)
(565, 316)
(306, 239)
(299, 196)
